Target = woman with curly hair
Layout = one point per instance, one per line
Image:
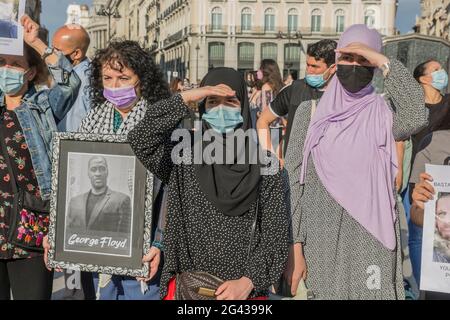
(124, 82)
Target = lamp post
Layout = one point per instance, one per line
(197, 49)
(109, 12)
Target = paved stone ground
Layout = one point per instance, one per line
(58, 286)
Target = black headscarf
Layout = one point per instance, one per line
(231, 188)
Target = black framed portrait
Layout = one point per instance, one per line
(101, 205)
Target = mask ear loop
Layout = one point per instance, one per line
(26, 71)
(25, 74)
(328, 69)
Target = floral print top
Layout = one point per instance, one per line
(17, 151)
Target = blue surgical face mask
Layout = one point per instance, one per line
(316, 80)
(223, 118)
(440, 79)
(11, 80)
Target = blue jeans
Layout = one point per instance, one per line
(128, 288)
(415, 239)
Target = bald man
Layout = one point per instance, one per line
(73, 41)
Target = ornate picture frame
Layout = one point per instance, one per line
(101, 205)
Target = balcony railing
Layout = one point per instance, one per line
(174, 7)
(173, 38)
(260, 31)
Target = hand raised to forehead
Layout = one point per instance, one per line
(374, 58)
(201, 93)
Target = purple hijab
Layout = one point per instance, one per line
(353, 149)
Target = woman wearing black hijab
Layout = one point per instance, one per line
(212, 207)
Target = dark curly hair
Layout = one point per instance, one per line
(324, 49)
(128, 54)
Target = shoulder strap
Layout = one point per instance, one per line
(255, 220)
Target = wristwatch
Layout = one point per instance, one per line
(48, 51)
(386, 68)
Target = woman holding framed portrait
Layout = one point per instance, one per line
(25, 161)
(124, 82)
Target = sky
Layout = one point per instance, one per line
(54, 13)
(406, 14)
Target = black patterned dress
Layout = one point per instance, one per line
(19, 156)
(198, 237)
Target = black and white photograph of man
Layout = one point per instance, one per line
(99, 208)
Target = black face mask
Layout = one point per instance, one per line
(69, 58)
(354, 78)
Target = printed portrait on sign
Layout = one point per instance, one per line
(99, 198)
(441, 246)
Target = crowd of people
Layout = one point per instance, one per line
(345, 194)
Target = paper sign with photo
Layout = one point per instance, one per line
(11, 31)
(435, 273)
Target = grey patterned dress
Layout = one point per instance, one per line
(344, 260)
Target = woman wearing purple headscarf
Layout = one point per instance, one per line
(342, 170)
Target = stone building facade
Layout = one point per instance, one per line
(434, 19)
(187, 37)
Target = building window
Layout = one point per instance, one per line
(269, 50)
(246, 54)
(293, 20)
(216, 54)
(216, 19)
(340, 21)
(316, 20)
(369, 18)
(269, 20)
(291, 59)
(246, 19)
(292, 53)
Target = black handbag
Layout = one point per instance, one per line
(30, 218)
(199, 285)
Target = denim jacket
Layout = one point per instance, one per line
(39, 114)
